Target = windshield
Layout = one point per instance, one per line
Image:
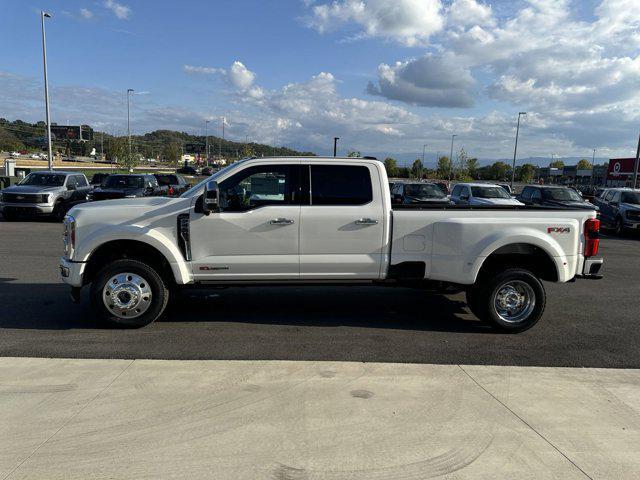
(630, 197)
(561, 194)
(489, 192)
(197, 188)
(121, 181)
(44, 179)
(167, 179)
(423, 191)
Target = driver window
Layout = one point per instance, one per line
(71, 180)
(256, 187)
(536, 195)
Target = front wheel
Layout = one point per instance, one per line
(619, 227)
(129, 293)
(511, 301)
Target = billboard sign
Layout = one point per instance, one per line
(71, 132)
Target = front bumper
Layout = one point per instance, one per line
(71, 272)
(27, 208)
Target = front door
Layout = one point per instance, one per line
(255, 236)
(342, 224)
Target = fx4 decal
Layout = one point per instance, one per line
(558, 229)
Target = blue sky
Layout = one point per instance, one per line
(387, 77)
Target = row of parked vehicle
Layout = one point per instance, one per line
(618, 208)
(55, 192)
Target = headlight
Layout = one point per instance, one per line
(45, 198)
(69, 236)
(129, 196)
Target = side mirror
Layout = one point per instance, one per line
(72, 187)
(211, 198)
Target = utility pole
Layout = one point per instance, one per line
(635, 167)
(335, 146)
(222, 139)
(423, 147)
(515, 150)
(593, 167)
(129, 91)
(44, 15)
(451, 157)
(206, 142)
(101, 145)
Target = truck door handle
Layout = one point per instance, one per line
(281, 221)
(366, 221)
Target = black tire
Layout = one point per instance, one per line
(158, 298)
(9, 216)
(59, 211)
(619, 227)
(520, 282)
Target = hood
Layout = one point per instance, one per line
(495, 201)
(102, 193)
(631, 206)
(30, 189)
(569, 203)
(427, 199)
(129, 203)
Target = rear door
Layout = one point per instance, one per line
(342, 222)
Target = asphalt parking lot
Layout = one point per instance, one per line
(587, 323)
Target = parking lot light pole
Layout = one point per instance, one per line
(423, 147)
(206, 142)
(44, 15)
(451, 158)
(515, 150)
(129, 92)
(634, 185)
(593, 170)
(335, 145)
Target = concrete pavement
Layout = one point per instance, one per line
(79, 419)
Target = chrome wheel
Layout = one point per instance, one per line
(514, 301)
(127, 295)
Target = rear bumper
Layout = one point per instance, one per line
(591, 268)
(71, 272)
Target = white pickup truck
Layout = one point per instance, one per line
(320, 221)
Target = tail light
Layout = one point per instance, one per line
(591, 237)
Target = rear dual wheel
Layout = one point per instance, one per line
(128, 293)
(511, 301)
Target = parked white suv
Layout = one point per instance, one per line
(320, 221)
(481, 194)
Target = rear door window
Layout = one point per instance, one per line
(340, 185)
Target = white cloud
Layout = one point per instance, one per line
(410, 22)
(121, 11)
(470, 12)
(194, 69)
(240, 77)
(86, 13)
(429, 81)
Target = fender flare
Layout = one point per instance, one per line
(523, 236)
(167, 247)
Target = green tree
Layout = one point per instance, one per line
(527, 171)
(472, 167)
(9, 142)
(461, 172)
(171, 152)
(499, 170)
(247, 151)
(444, 167)
(391, 165)
(354, 154)
(557, 164)
(584, 164)
(416, 168)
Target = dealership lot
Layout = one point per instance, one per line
(587, 324)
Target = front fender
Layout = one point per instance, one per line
(166, 246)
